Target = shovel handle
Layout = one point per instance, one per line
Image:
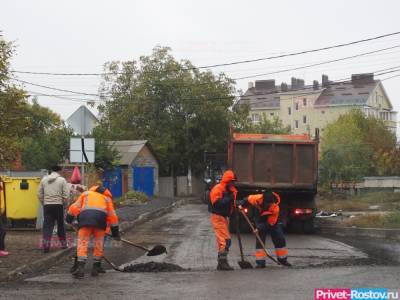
(112, 264)
(134, 245)
(255, 231)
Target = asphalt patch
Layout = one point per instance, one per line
(153, 267)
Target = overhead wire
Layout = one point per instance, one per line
(235, 62)
(251, 101)
(239, 78)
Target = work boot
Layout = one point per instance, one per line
(260, 264)
(223, 264)
(79, 273)
(96, 268)
(284, 262)
(74, 266)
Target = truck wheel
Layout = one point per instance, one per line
(294, 226)
(308, 226)
(206, 197)
(232, 225)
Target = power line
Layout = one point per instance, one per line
(387, 78)
(53, 88)
(243, 97)
(62, 97)
(230, 63)
(316, 64)
(239, 78)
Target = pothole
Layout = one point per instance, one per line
(153, 267)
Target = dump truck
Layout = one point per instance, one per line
(286, 164)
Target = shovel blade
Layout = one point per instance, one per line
(157, 250)
(245, 264)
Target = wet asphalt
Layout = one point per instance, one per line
(319, 262)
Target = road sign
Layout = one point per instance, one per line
(76, 154)
(82, 121)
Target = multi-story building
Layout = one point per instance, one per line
(305, 108)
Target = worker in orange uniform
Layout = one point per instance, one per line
(222, 201)
(266, 218)
(94, 209)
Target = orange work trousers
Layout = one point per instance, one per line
(220, 225)
(84, 235)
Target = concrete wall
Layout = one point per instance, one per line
(382, 182)
(182, 188)
(166, 187)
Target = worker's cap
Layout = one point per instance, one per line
(101, 190)
(228, 176)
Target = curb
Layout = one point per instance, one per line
(380, 233)
(47, 261)
(36, 266)
(127, 225)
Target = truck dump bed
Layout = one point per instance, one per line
(274, 161)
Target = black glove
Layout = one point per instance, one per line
(69, 218)
(115, 233)
(242, 202)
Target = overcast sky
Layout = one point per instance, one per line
(80, 36)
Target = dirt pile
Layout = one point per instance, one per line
(153, 267)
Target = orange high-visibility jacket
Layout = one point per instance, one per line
(272, 212)
(219, 196)
(94, 210)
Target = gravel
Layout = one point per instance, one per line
(153, 267)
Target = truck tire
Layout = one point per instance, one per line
(243, 226)
(206, 197)
(294, 226)
(308, 226)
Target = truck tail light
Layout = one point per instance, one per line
(302, 211)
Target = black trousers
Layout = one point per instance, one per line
(278, 239)
(53, 213)
(2, 236)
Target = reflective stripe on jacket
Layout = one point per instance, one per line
(94, 210)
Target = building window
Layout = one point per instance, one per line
(304, 119)
(271, 114)
(255, 118)
(296, 124)
(289, 110)
(322, 111)
(304, 101)
(297, 106)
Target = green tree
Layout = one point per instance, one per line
(13, 122)
(266, 125)
(105, 157)
(181, 110)
(356, 146)
(48, 140)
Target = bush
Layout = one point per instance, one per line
(132, 198)
(389, 220)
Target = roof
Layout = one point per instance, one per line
(347, 93)
(257, 98)
(129, 149)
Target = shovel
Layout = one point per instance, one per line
(255, 231)
(156, 250)
(114, 266)
(243, 264)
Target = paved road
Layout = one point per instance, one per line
(319, 262)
